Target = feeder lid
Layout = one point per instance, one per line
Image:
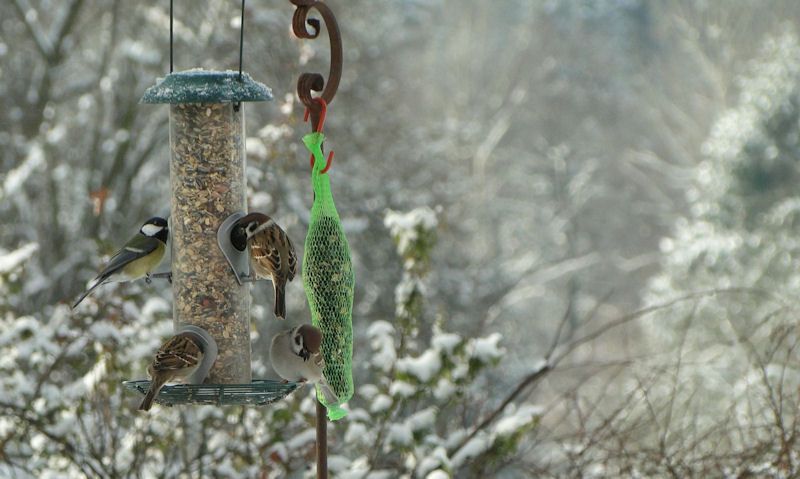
(206, 86)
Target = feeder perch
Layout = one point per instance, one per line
(257, 393)
(207, 179)
(238, 260)
(210, 352)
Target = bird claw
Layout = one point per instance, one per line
(147, 278)
(167, 274)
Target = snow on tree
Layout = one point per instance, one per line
(736, 260)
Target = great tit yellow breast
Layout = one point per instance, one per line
(146, 264)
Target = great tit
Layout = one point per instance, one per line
(140, 255)
(271, 253)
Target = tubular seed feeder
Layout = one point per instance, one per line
(207, 179)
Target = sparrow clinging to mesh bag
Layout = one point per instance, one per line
(271, 253)
(295, 356)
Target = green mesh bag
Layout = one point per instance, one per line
(329, 282)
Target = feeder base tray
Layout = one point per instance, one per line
(259, 392)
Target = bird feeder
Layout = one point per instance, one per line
(208, 194)
(208, 187)
(207, 167)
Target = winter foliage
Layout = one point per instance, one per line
(574, 226)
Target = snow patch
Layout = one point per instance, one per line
(381, 403)
(405, 227)
(517, 419)
(422, 420)
(381, 334)
(402, 389)
(444, 389)
(400, 435)
(306, 437)
(472, 449)
(355, 433)
(434, 460)
(424, 367)
(10, 261)
(446, 342)
(19, 175)
(487, 349)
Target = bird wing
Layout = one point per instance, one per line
(138, 247)
(179, 352)
(264, 250)
(318, 360)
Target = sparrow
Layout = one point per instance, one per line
(272, 255)
(296, 357)
(175, 361)
(140, 255)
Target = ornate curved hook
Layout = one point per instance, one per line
(314, 81)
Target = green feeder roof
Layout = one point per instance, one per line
(206, 86)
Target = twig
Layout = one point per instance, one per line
(527, 381)
(40, 39)
(551, 363)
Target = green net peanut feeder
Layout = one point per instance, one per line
(329, 283)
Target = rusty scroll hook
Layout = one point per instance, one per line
(309, 82)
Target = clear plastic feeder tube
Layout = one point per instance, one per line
(207, 179)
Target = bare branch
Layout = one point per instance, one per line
(39, 37)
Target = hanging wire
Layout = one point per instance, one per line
(241, 42)
(170, 36)
(172, 39)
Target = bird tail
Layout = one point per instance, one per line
(280, 299)
(335, 410)
(147, 402)
(97, 282)
(327, 392)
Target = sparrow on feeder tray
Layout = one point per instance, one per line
(296, 357)
(140, 255)
(272, 255)
(176, 360)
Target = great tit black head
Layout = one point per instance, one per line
(155, 227)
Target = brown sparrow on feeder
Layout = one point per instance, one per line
(175, 361)
(272, 255)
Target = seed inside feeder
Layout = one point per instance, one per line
(207, 178)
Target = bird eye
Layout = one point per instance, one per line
(297, 340)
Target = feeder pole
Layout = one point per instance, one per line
(322, 442)
(305, 84)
